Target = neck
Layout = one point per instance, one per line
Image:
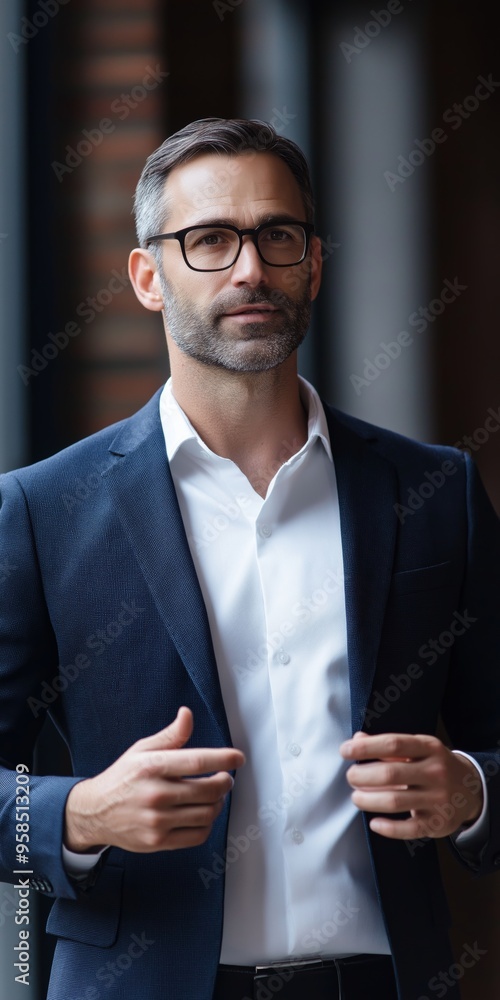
(256, 419)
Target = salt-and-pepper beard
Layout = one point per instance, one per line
(254, 347)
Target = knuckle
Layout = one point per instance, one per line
(208, 815)
(438, 772)
(152, 800)
(393, 745)
(144, 767)
(154, 836)
(196, 762)
(388, 775)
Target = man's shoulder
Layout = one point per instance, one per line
(94, 453)
(394, 446)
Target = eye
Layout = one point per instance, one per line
(278, 235)
(209, 238)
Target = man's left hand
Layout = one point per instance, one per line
(415, 774)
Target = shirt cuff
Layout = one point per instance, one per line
(78, 866)
(474, 837)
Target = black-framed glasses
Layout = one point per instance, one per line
(215, 248)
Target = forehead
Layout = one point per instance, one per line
(243, 188)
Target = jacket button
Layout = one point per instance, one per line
(41, 884)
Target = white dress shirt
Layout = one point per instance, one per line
(299, 881)
(271, 574)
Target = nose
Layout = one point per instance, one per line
(249, 269)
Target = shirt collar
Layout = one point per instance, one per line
(180, 434)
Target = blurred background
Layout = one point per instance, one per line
(397, 107)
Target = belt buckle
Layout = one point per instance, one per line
(276, 968)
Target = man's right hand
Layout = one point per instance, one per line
(144, 803)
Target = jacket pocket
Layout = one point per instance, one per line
(93, 918)
(425, 578)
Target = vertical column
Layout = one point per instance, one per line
(113, 79)
(13, 402)
(12, 242)
(275, 83)
(373, 107)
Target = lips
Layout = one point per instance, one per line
(245, 310)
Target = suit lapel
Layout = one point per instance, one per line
(141, 488)
(368, 489)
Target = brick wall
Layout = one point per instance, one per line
(111, 98)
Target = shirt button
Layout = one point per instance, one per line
(283, 656)
(297, 836)
(266, 530)
(294, 749)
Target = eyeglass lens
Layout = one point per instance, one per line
(214, 246)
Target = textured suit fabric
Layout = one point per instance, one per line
(101, 580)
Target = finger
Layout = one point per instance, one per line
(398, 800)
(193, 837)
(196, 760)
(191, 817)
(389, 745)
(175, 735)
(387, 774)
(182, 792)
(406, 829)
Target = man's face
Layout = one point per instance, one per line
(252, 316)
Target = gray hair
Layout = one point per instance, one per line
(211, 135)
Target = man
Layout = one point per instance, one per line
(245, 647)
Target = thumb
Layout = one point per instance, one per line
(175, 735)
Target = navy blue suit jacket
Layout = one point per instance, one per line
(102, 622)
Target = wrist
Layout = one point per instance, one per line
(81, 833)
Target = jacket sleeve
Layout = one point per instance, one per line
(28, 659)
(471, 707)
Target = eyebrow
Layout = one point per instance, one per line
(268, 217)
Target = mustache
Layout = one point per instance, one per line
(251, 297)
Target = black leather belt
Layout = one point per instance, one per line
(360, 977)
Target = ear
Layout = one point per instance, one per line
(144, 277)
(316, 266)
